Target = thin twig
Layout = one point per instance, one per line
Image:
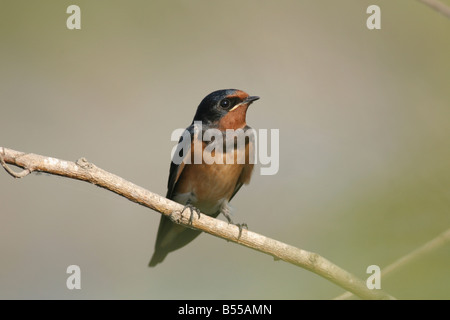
(85, 171)
(20, 174)
(437, 242)
(438, 6)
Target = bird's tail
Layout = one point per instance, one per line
(157, 257)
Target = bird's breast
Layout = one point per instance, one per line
(210, 183)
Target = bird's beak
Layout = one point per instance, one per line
(247, 102)
(250, 99)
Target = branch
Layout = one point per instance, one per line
(431, 245)
(85, 171)
(438, 6)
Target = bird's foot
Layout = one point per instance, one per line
(227, 213)
(192, 209)
(241, 226)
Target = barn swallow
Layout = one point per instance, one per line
(206, 188)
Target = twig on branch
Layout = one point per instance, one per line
(85, 171)
(431, 245)
(438, 6)
(14, 174)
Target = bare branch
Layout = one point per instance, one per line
(438, 6)
(85, 171)
(21, 174)
(431, 245)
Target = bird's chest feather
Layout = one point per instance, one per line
(207, 186)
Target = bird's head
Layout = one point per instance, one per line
(224, 109)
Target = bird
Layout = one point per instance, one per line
(208, 187)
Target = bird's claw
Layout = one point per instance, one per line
(241, 226)
(192, 209)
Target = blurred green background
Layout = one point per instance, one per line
(364, 153)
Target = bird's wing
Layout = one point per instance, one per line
(178, 161)
(244, 178)
(247, 171)
(166, 227)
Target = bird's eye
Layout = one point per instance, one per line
(225, 103)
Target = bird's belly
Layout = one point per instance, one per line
(207, 186)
